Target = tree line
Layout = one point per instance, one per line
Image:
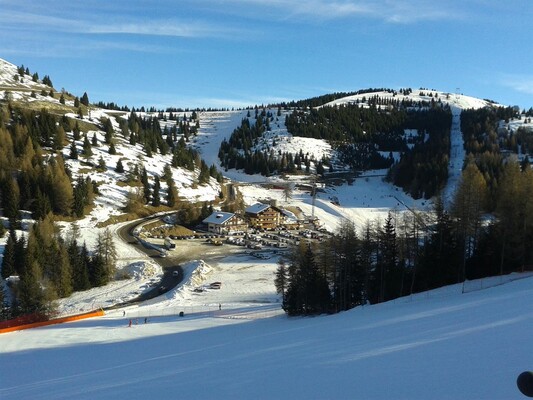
(412, 251)
(360, 135)
(51, 267)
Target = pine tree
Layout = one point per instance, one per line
(467, 208)
(81, 278)
(441, 258)
(119, 168)
(87, 148)
(62, 192)
(387, 262)
(101, 164)
(76, 133)
(172, 194)
(11, 200)
(308, 292)
(59, 271)
(514, 211)
(146, 186)
(105, 249)
(8, 260)
(109, 131)
(97, 272)
(84, 99)
(73, 155)
(281, 281)
(59, 138)
(112, 149)
(156, 198)
(41, 205)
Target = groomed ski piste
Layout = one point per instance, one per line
(442, 344)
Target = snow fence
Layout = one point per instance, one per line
(19, 327)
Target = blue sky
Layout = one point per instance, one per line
(215, 53)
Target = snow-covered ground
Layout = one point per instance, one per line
(457, 158)
(236, 342)
(439, 345)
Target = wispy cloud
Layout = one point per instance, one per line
(95, 24)
(520, 83)
(174, 28)
(392, 11)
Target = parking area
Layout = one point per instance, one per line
(212, 248)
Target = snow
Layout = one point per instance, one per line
(236, 341)
(440, 344)
(218, 217)
(457, 157)
(257, 208)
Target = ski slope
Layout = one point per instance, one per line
(438, 345)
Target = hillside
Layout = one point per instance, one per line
(449, 338)
(440, 344)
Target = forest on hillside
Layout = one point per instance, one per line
(35, 179)
(414, 252)
(487, 231)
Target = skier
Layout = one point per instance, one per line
(129, 326)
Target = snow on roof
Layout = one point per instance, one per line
(257, 208)
(289, 215)
(218, 217)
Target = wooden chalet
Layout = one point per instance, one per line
(224, 222)
(264, 216)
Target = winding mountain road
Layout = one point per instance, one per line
(170, 278)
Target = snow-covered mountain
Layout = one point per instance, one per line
(456, 344)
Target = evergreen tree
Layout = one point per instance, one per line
(515, 216)
(119, 168)
(440, 254)
(101, 164)
(387, 261)
(109, 131)
(41, 205)
(172, 194)
(467, 208)
(156, 198)
(80, 273)
(282, 279)
(308, 292)
(85, 99)
(76, 131)
(87, 150)
(8, 260)
(62, 193)
(146, 186)
(73, 151)
(112, 149)
(97, 272)
(106, 254)
(11, 199)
